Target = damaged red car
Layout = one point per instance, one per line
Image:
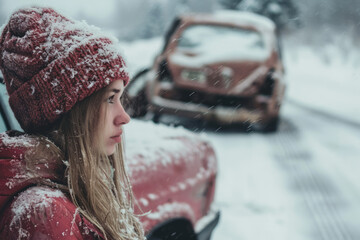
(223, 67)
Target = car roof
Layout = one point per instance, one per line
(231, 17)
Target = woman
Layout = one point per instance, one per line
(64, 178)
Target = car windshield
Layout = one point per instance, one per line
(231, 42)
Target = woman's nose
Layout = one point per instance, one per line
(121, 117)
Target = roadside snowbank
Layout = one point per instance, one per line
(329, 85)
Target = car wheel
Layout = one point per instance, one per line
(173, 229)
(156, 117)
(272, 125)
(137, 104)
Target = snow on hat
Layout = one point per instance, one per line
(50, 63)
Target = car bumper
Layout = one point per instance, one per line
(206, 225)
(221, 114)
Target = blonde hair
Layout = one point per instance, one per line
(98, 184)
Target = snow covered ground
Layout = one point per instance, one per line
(299, 183)
(265, 195)
(332, 87)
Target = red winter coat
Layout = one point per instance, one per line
(30, 211)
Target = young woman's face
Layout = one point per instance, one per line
(112, 118)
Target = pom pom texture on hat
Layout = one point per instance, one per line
(50, 63)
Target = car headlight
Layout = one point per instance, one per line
(195, 76)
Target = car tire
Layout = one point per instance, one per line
(156, 118)
(173, 229)
(272, 125)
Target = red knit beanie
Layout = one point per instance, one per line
(50, 63)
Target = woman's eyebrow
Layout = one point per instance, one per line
(115, 90)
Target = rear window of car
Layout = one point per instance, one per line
(203, 38)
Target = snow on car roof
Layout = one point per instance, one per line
(247, 18)
(240, 18)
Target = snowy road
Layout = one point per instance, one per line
(300, 183)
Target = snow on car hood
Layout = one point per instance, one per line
(153, 140)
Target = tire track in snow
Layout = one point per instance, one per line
(321, 197)
(324, 114)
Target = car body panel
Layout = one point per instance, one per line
(173, 177)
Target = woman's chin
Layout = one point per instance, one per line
(110, 150)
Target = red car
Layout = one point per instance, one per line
(224, 67)
(173, 174)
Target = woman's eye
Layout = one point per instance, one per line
(111, 99)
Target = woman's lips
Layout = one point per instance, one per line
(116, 138)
